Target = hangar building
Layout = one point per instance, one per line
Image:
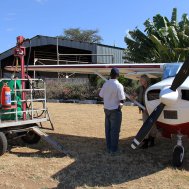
(55, 50)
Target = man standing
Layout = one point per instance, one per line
(113, 94)
(140, 94)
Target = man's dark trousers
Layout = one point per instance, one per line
(113, 120)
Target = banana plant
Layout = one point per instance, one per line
(161, 41)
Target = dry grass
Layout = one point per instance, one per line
(80, 129)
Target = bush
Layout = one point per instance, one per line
(125, 81)
(58, 90)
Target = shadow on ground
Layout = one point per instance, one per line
(93, 166)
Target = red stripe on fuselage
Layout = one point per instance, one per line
(104, 66)
(167, 129)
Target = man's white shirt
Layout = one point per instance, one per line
(112, 92)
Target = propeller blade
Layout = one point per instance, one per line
(181, 75)
(147, 125)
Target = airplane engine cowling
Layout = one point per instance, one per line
(168, 97)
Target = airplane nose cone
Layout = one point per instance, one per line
(168, 97)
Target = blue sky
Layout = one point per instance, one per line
(113, 18)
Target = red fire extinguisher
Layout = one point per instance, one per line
(6, 96)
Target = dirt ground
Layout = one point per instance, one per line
(80, 129)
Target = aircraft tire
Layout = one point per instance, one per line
(31, 138)
(177, 156)
(3, 143)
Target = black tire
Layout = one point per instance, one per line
(31, 138)
(178, 156)
(3, 143)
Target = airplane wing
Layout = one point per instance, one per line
(132, 71)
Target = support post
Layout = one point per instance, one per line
(20, 52)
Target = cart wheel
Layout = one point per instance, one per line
(3, 143)
(31, 138)
(178, 155)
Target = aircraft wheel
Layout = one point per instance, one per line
(31, 138)
(178, 155)
(3, 143)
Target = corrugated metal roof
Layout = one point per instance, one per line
(93, 47)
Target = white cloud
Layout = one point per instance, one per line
(41, 1)
(10, 16)
(9, 29)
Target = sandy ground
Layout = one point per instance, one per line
(80, 128)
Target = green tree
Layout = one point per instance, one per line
(76, 34)
(161, 41)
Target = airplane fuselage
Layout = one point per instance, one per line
(175, 117)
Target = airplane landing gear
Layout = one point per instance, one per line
(178, 152)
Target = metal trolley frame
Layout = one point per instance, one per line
(27, 127)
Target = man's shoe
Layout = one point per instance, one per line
(145, 144)
(151, 141)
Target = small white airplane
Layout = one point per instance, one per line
(167, 102)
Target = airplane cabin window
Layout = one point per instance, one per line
(171, 69)
(153, 94)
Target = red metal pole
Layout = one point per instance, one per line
(20, 52)
(23, 86)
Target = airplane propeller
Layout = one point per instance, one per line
(148, 124)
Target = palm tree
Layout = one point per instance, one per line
(162, 40)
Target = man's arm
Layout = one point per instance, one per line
(101, 93)
(135, 94)
(121, 93)
(121, 96)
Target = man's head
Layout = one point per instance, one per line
(114, 73)
(144, 80)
